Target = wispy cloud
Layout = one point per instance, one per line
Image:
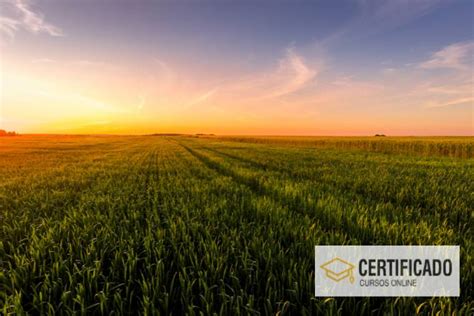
(456, 87)
(9, 26)
(169, 84)
(343, 81)
(346, 91)
(378, 16)
(84, 62)
(18, 14)
(453, 102)
(163, 74)
(292, 74)
(141, 101)
(395, 13)
(75, 63)
(202, 97)
(43, 61)
(77, 99)
(456, 56)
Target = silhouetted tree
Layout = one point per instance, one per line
(5, 133)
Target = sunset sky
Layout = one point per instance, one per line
(251, 67)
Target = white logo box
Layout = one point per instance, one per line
(387, 271)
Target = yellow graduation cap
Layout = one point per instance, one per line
(338, 269)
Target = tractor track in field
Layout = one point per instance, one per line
(284, 171)
(311, 178)
(295, 204)
(242, 181)
(374, 199)
(300, 208)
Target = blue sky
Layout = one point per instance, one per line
(271, 67)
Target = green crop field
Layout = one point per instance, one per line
(220, 225)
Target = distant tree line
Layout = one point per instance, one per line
(5, 133)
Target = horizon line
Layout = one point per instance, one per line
(230, 135)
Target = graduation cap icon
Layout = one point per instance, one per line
(338, 269)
